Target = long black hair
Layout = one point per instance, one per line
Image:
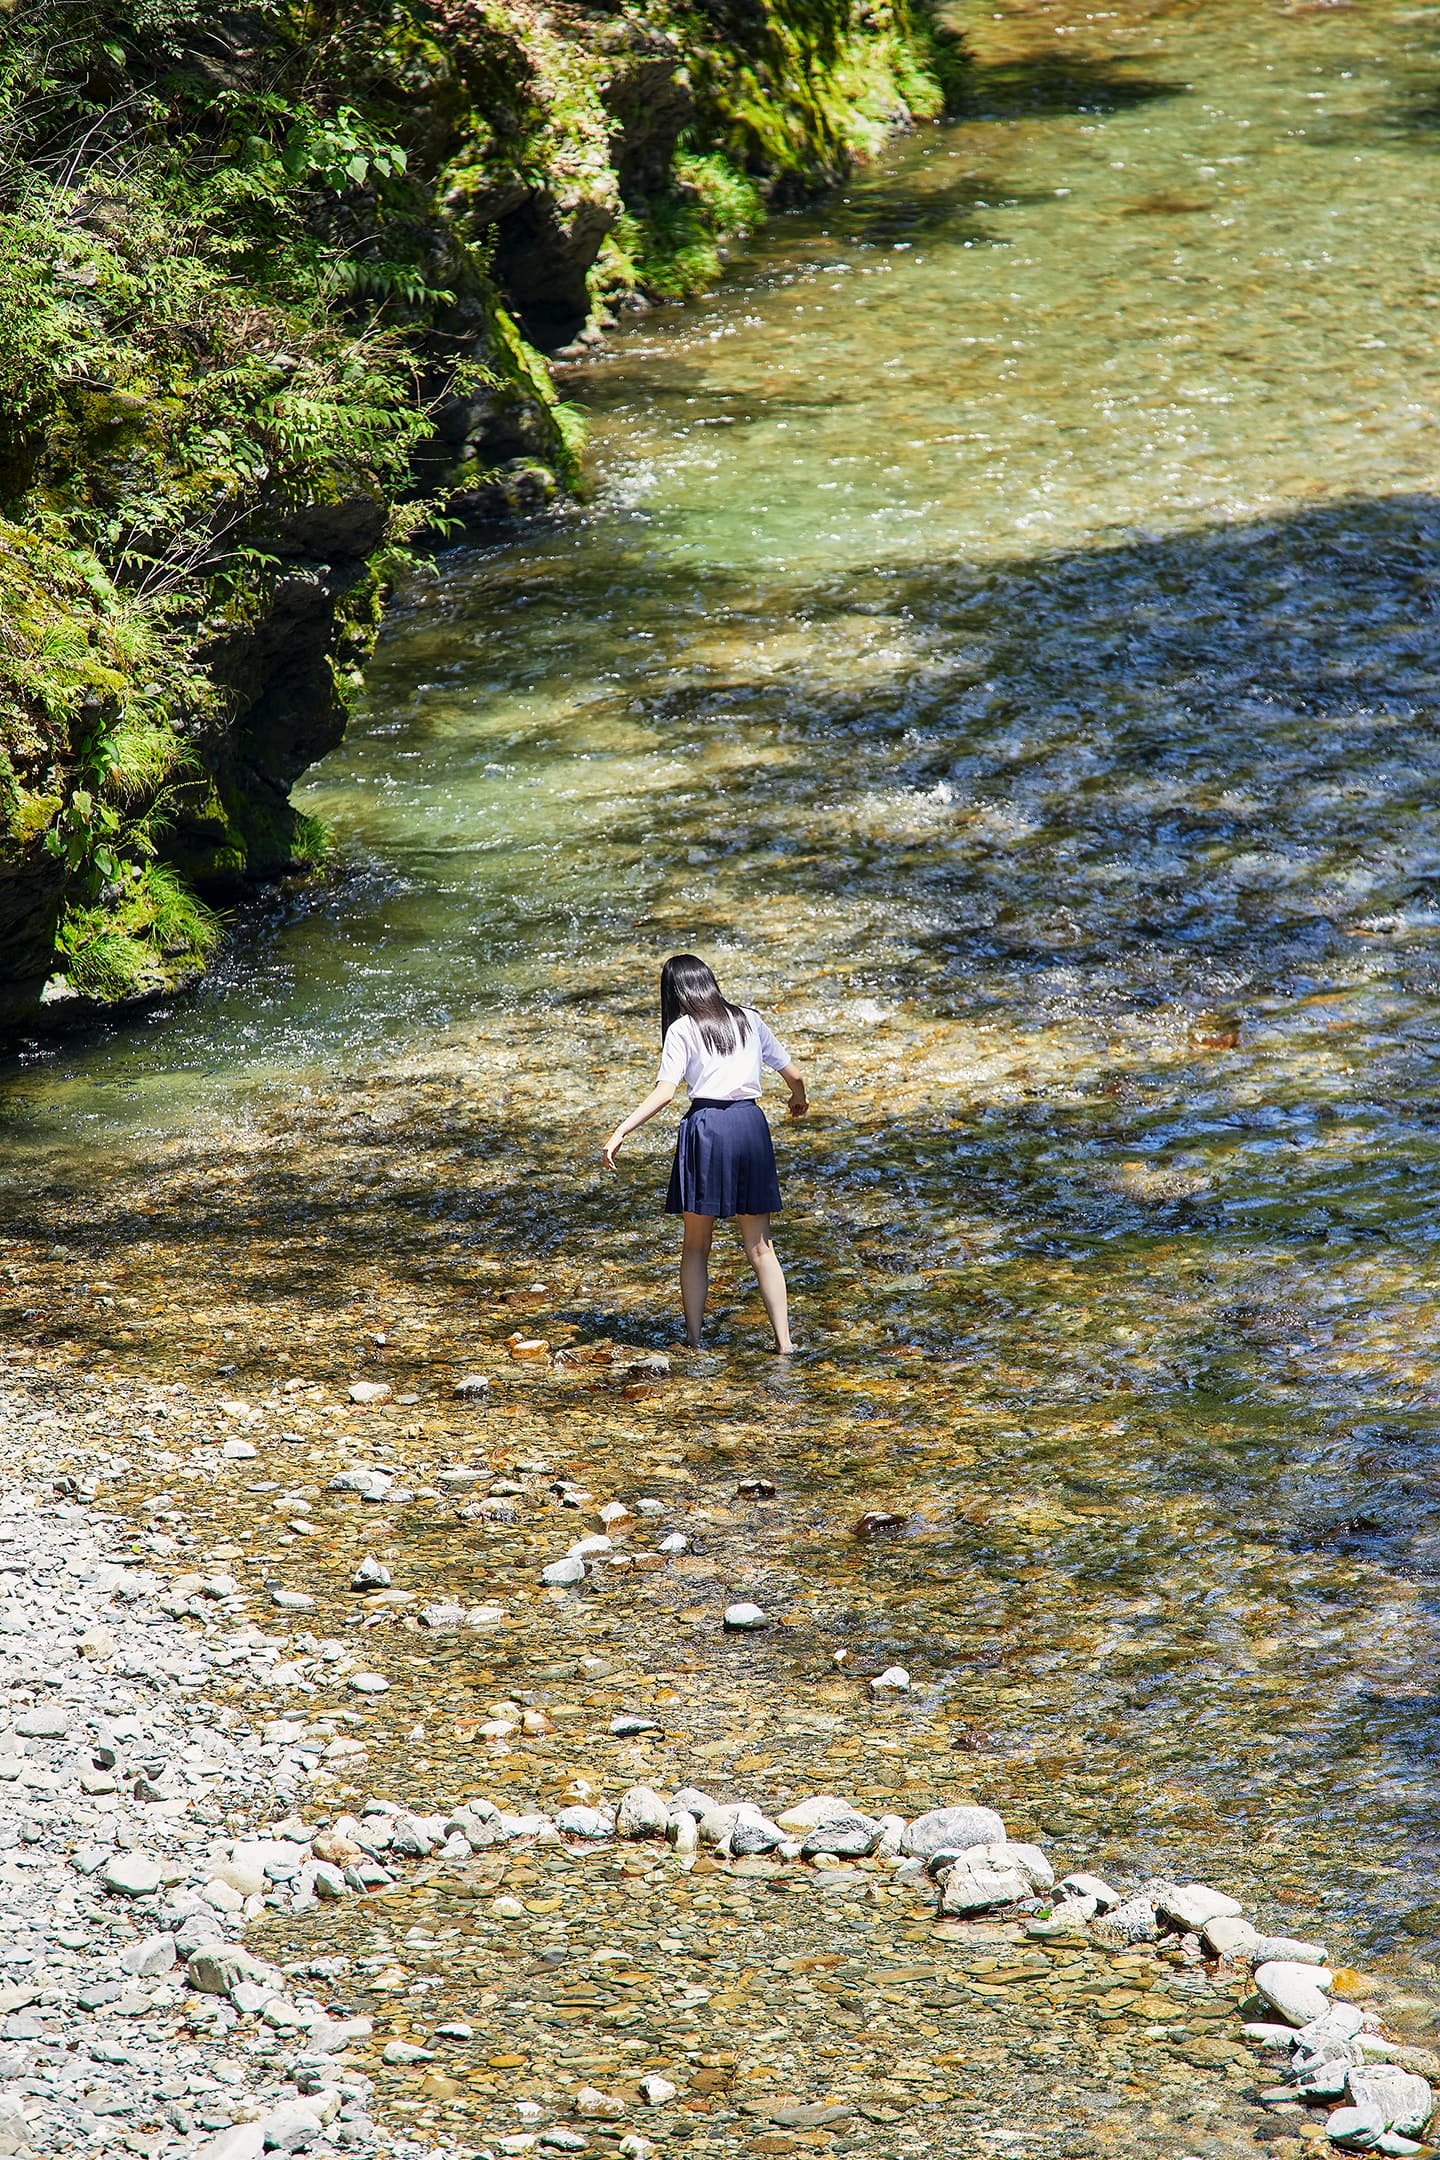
(688, 990)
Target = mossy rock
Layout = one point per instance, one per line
(224, 344)
(25, 819)
(152, 938)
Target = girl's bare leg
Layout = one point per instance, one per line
(755, 1233)
(695, 1274)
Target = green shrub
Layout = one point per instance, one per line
(313, 844)
(145, 936)
(673, 247)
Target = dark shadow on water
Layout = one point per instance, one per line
(1178, 774)
(1046, 84)
(1146, 713)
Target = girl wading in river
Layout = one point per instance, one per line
(724, 1158)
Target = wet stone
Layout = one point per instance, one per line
(584, 1822)
(1341, 2025)
(1405, 2101)
(975, 1888)
(642, 1813)
(754, 1834)
(1325, 2076)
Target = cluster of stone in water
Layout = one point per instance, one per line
(301, 1867)
(1337, 2051)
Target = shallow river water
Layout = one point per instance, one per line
(1003, 637)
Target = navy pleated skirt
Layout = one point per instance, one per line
(724, 1162)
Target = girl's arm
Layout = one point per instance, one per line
(640, 1115)
(795, 1081)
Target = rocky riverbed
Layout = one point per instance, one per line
(1038, 725)
(252, 1903)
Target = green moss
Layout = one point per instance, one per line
(673, 247)
(151, 939)
(937, 44)
(205, 843)
(801, 88)
(27, 817)
(526, 369)
(233, 303)
(312, 845)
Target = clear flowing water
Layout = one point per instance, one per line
(1003, 637)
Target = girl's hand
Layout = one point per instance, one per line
(655, 1100)
(799, 1104)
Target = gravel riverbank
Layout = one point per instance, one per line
(123, 1781)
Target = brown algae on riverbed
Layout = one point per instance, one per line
(1056, 766)
(799, 2016)
(1038, 1587)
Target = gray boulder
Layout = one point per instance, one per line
(150, 1956)
(1227, 1936)
(850, 1837)
(134, 1874)
(952, 1829)
(755, 1834)
(220, 1968)
(1288, 1950)
(1135, 1920)
(1298, 1992)
(412, 1839)
(1325, 2076)
(1091, 1886)
(1358, 2124)
(1406, 2101)
(1341, 2023)
(972, 1888)
(1188, 1907)
(1019, 1859)
(1237, 1940)
(584, 1822)
(643, 1814)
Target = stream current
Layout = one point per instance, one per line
(1002, 637)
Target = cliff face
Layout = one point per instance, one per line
(276, 287)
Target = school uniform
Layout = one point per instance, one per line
(724, 1156)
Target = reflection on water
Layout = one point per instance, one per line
(1004, 638)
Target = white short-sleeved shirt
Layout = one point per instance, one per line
(720, 1075)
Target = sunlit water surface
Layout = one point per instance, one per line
(1003, 636)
